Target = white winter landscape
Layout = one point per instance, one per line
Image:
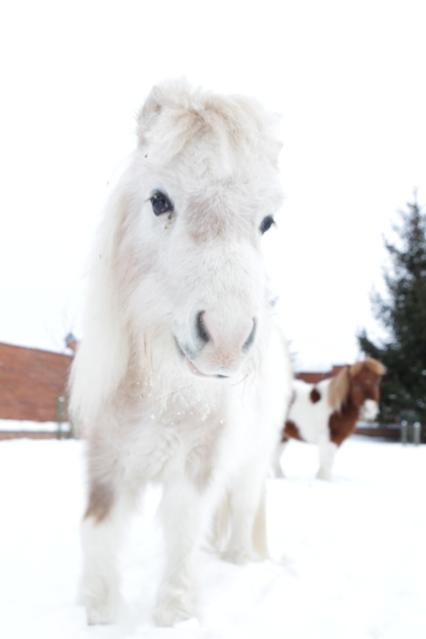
(349, 553)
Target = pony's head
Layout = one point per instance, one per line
(180, 249)
(365, 378)
(359, 386)
(203, 189)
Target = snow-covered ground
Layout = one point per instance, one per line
(352, 552)
(26, 426)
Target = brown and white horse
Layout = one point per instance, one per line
(326, 413)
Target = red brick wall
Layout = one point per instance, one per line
(30, 382)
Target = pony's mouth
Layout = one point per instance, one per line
(193, 368)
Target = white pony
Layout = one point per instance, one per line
(182, 376)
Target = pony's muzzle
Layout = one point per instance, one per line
(370, 410)
(219, 343)
(240, 336)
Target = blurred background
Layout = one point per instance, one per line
(348, 258)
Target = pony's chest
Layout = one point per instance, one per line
(174, 438)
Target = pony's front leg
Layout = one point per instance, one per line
(184, 511)
(327, 452)
(101, 533)
(277, 459)
(247, 540)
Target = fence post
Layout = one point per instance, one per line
(404, 432)
(60, 414)
(417, 433)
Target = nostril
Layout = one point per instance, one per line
(201, 328)
(250, 339)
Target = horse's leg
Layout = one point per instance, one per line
(327, 451)
(247, 541)
(260, 539)
(184, 512)
(101, 532)
(276, 460)
(220, 527)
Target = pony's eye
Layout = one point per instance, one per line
(266, 224)
(160, 203)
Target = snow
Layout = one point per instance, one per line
(11, 425)
(349, 554)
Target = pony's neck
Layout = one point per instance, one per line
(349, 409)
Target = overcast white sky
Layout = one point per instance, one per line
(348, 78)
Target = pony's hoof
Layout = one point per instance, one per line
(173, 608)
(323, 474)
(100, 615)
(102, 610)
(240, 557)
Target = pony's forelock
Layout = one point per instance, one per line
(370, 364)
(175, 115)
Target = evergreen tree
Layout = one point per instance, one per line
(402, 312)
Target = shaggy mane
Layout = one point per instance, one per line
(338, 389)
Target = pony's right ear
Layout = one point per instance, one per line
(149, 112)
(174, 95)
